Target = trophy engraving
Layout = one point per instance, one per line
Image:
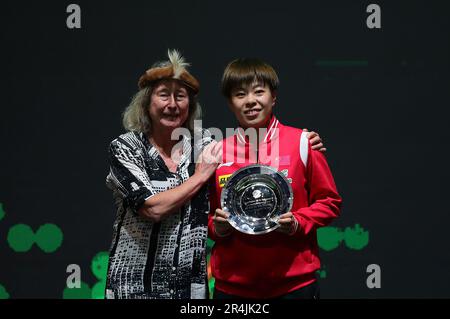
(255, 196)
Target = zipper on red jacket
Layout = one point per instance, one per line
(257, 153)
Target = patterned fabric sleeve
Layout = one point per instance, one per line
(201, 140)
(127, 175)
(205, 139)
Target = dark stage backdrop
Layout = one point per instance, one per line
(378, 97)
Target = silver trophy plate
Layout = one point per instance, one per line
(255, 196)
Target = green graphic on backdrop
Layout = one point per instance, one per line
(2, 212)
(209, 244)
(342, 63)
(84, 292)
(211, 279)
(356, 238)
(322, 272)
(211, 283)
(49, 237)
(99, 268)
(3, 293)
(99, 265)
(21, 238)
(98, 290)
(330, 238)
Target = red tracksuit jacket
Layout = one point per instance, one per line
(273, 264)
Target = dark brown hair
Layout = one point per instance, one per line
(245, 71)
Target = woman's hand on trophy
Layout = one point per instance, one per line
(288, 224)
(221, 225)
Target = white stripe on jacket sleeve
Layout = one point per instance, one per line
(304, 148)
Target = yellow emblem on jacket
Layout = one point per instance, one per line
(223, 179)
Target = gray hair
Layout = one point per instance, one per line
(136, 117)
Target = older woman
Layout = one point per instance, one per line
(158, 248)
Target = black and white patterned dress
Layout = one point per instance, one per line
(164, 260)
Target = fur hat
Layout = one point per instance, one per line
(175, 69)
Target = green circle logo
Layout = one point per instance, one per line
(99, 265)
(98, 290)
(2, 211)
(20, 238)
(3, 293)
(84, 292)
(329, 238)
(49, 237)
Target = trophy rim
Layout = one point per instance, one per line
(237, 172)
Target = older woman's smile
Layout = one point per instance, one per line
(169, 105)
